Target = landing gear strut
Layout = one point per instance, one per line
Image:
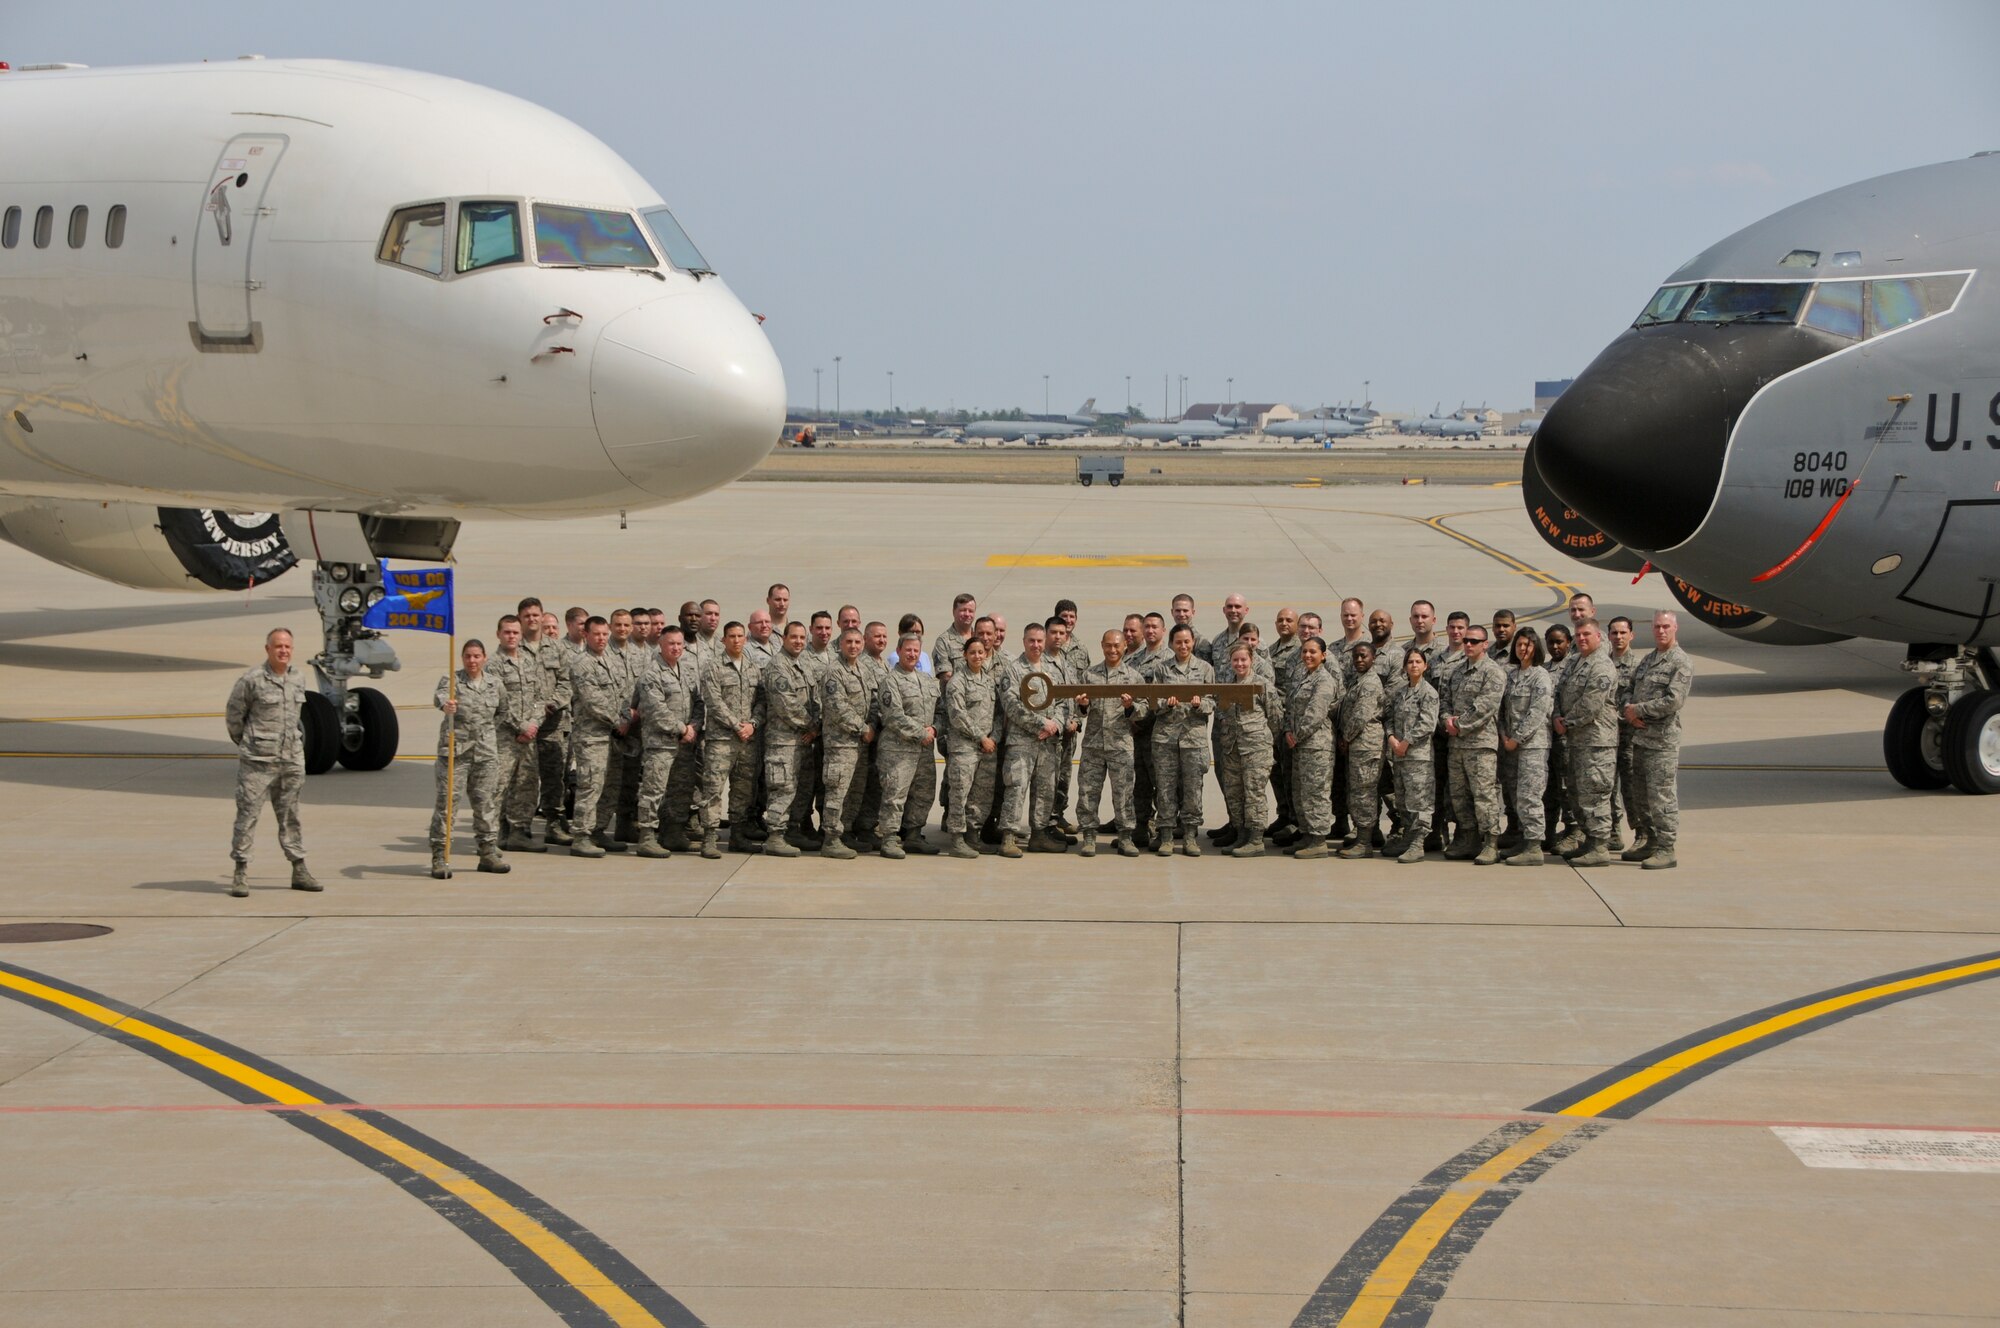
(355, 726)
(1946, 730)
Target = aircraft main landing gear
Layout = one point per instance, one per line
(355, 726)
(1946, 730)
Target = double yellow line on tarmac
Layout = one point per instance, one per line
(611, 1302)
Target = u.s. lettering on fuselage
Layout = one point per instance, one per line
(1946, 440)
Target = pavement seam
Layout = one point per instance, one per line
(1180, 1136)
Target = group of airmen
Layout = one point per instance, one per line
(1487, 743)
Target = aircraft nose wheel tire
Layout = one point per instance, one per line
(1913, 743)
(374, 746)
(319, 725)
(1972, 743)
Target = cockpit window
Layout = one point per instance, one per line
(588, 237)
(1836, 308)
(1666, 305)
(488, 234)
(415, 238)
(674, 241)
(1748, 302)
(1891, 304)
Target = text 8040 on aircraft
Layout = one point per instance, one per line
(1804, 421)
(358, 304)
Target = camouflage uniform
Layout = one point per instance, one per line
(791, 709)
(263, 719)
(524, 687)
(1077, 660)
(864, 795)
(552, 740)
(1524, 772)
(947, 659)
(846, 709)
(1413, 717)
(1311, 714)
(972, 712)
(907, 701)
(621, 778)
(1028, 782)
(1660, 686)
(1361, 730)
(732, 694)
(666, 708)
(477, 758)
(1180, 748)
(1108, 749)
(601, 693)
(1145, 795)
(680, 806)
(1584, 700)
(1474, 699)
(1559, 798)
(1245, 737)
(1445, 664)
(1341, 653)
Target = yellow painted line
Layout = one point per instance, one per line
(1087, 560)
(1640, 1080)
(552, 1249)
(1391, 1278)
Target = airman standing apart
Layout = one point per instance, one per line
(1107, 748)
(1588, 720)
(263, 720)
(468, 750)
(1660, 686)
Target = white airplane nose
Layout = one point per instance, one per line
(687, 392)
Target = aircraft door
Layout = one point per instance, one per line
(224, 284)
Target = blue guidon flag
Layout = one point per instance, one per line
(418, 600)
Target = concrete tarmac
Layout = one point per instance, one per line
(1052, 1091)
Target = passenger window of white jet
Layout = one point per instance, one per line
(79, 226)
(680, 249)
(1665, 306)
(415, 239)
(488, 234)
(587, 237)
(1892, 304)
(114, 226)
(45, 225)
(1748, 302)
(10, 228)
(1836, 308)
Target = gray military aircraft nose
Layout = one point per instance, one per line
(1637, 443)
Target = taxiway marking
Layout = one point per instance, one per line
(576, 1274)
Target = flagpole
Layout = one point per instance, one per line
(450, 748)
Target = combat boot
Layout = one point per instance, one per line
(1089, 848)
(961, 847)
(1224, 837)
(1642, 848)
(833, 848)
(1340, 828)
(1358, 849)
(440, 869)
(801, 838)
(1489, 852)
(584, 848)
(491, 861)
(1414, 852)
(1593, 855)
(709, 849)
(1434, 841)
(1126, 848)
(1045, 841)
(1009, 848)
(1287, 835)
(676, 839)
(1167, 846)
(302, 879)
(604, 839)
(892, 848)
(1463, 845)
(627, 831)
(650, 846)
(558, 832)
(914, 842)
(239, 881)
(1064, 824)
(1617, 844)
(517, 841)
(1531, 856)
(1512, 839)
(1191, 845)
(1253, 847)
(1662, 858)
(1311, 846)
(1569, 841)
(781, 846)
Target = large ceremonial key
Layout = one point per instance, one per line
(1039, 691)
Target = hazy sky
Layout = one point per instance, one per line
(1448, 200)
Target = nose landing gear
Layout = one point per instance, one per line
(1946, 730)
(355, 726)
